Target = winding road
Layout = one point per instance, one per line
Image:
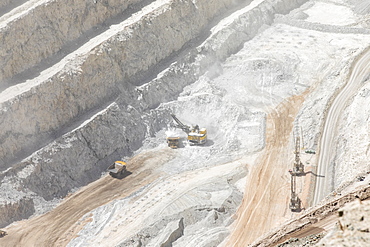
(360, 70)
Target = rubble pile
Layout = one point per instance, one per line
(353, 227)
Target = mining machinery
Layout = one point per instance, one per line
(173, 142)
(298, 168)
(295, 202)
(196, 135)
(117, 169)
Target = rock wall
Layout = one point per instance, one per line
(352, 147)
(96, 76)
(51, 27)
(5, 3)
(215, 49)
(83, 88)
(10, 212)
(352, 228)
(311, 216)
(74, 158)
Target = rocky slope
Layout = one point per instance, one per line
(308, 229)
(94, 89)
(95, 73)
(352, 228)
(103, 88)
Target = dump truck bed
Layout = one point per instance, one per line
(173, 142)
(117, 167)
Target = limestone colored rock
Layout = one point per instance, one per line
(5, 3)
(97, 73)
(353, 227)
(97, 108)
(302, 242)
(51, 27)
(169, 234)
(10, 212)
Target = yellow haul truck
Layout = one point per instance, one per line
(173, 142)
(3, 233)
(117, 169)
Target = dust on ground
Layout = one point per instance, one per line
(269, 181)
(60, 225)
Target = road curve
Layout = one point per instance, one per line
(360, 69)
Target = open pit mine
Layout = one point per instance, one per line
(184, 123)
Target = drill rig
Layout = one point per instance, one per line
(295, 202)
(196, 135)
(298, 168)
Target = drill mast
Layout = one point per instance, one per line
(298, 168)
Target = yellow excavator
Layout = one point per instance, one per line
(196, 135)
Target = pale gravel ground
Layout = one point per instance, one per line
(249, 86)
(282, 60)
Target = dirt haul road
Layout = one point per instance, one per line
(267, 195)
(360, 71)
(264, 206)
(58, 227)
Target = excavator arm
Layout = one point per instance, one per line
(180, 125)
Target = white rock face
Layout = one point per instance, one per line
(75, 89)
(44, 28)
(271, 66)
(39, 109)
(5, 3)
(352, 228)
(106, 100)
(353, 146)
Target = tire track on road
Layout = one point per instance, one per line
(264, 203)
(360, 70)
(58, 227)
